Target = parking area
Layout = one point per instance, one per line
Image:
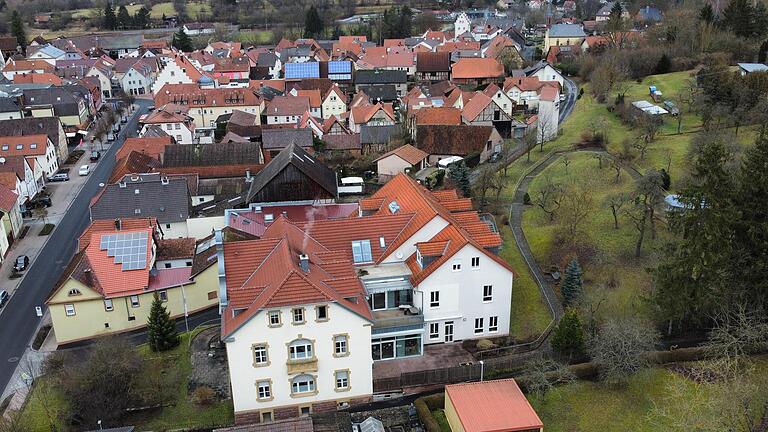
(62, 195)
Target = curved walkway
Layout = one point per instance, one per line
(516, 219)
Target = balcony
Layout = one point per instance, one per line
(302, 366)
(396, 320)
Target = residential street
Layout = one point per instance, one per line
(570, 100)
(18, 321)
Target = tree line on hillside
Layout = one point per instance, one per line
(122, 20)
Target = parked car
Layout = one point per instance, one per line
(21, 263)
(59, 177)
(4, 297)
(40, 201)
(95, 155)
(562, 97)
(84, 170)
(124, 119)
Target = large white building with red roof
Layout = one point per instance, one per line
(309, 307)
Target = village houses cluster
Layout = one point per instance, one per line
(224, 199)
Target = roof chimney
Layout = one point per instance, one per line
(304, 263)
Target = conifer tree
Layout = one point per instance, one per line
(161, 329)
(181, 41)
(17, 30)
(572, 284)
(568, 336)
(110, 20)
(459, 173)
(313, 24)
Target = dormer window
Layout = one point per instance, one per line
(74, 292)
(361, 251)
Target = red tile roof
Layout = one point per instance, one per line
(112, 280)
(406, 152)
(153, 146)
(492, 406)
(30, 145)
(37, 78)
(192, 95)
(288, 106)
(109, 225)
(8, 199)
(438, 116)
(477, 68)
(265, 273)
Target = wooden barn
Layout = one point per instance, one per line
(293, 175)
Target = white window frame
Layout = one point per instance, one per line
(135, 303)
(363, 253)
(260, 354)
(493, 324)
(69, 309)
(163, 295)
(307, 348)
(297, 381)
(434, 299)
(487, 293)
(341, 377)
(456, 266)
(295, 312)
(475, 263)
(264, 390)
(478, 325)
(108, 305)
(273, 314)
(434, 331)
(340, 345)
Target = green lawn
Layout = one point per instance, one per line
(530, 314)
(645, 405)
(611, 272)
(442, 420)
(256, 36)
(182, 414)
(195, 9)
(156, 12)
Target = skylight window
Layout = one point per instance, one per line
(394, 207)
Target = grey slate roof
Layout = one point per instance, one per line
(211, 154)
(8, 105)
(294, 155)
(378, 134)
(63, 101)
(566, 30)
(166, 199)
(154, 131)
(378, 76)
(275, 139)
(266, 59)
(50, 126)
(385, 93)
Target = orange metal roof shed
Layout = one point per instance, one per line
(490, 406)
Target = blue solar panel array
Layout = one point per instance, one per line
(128, 249)
(339, 67)
(302, 70)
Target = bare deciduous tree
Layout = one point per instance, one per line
(577, 204)
(619, 348)
(549, 197)
(542, 374)
(615, 202)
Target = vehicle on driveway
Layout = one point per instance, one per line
(21, 263)
(95, 155)
(4, 297)
(59, 177)
(84, 170)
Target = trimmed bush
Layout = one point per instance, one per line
(425, 414)
(484, 344)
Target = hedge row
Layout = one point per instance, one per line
(424, 407)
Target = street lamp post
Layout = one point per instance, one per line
(482, 367)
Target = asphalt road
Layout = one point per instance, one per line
(570, 100)
(18, 321)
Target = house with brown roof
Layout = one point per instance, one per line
(286, 110)
(207, 104)
(525, 91)
(307, 306)
(108, 287)
(174, 120)
(213, 160)
(151, 146)
(23, 178)
(483, 110)
(176, 70)
(377, 114)
(477, 71)
(433, 66)
(334, 102)
(37, 149)
(404, 159)
(441, 141)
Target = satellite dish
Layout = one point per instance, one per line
(2, 160)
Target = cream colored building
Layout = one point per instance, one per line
(99, 297)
